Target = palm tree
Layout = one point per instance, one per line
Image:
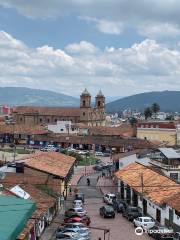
(147, 113)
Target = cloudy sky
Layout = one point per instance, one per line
(121, 46)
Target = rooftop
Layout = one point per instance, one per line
(15, 213)
(157, 188)
(54, 163)
(74, 112)
(170, 153)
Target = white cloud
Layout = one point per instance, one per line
(83, 47)
(159, 30)
(105, 26)
(109, 16)
(145, 66)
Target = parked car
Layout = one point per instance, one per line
(161, 233)
(98, 167)
(144, 222)
(75, 225)
(71, 213)
(131, 213)
(81, 232)
(81, 212)
(100, 154)
(119, 205)
(109, 197)
(107, 211)
(85, 220)
(176, 236)
(80, 196)
(77, 203)
(61, 235)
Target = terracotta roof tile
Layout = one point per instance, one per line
(174, 202)
(75, 112)
(23, 129)
(157, 188)
(50, 162)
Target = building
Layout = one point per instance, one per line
(168, 161)
(55, 167)
(165, 132)
(155, 194)
(14, 218)
(64, 127)
(91, 116)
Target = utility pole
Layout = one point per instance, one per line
(142, 189)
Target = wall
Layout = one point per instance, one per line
(158, 135)
(56, 185)
(61, 127)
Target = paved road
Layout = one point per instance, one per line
(120, 228)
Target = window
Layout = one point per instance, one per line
(174, 176)
(84, 113)
(40, 120)
(62, 130)
(48, 120)
(21, 119)
(99, 103)
(177, 213)
(55, 120)
(84, 103)
(149, 204)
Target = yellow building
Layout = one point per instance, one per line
(165, 132)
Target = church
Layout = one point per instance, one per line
(86, 113)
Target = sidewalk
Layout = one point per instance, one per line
(49, 232)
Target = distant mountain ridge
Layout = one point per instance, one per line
(17, 96)
(168, 100)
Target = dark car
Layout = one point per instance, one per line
(131, 213)
(107, 211)
(98, 167)
(80, 196)
(119, 205)
(71, 213)
(161, 233)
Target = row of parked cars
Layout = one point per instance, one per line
(134, 215)
(76, 222)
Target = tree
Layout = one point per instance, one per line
(133, 121)
(147, 113)
(155, 108)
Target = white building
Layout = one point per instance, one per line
(65, 127)
(142, 187)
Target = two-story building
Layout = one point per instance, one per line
(168, 161)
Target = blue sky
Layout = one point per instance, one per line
(119, 46)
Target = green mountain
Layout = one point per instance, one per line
(16, 96)
(168, 100)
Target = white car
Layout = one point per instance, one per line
(100, 154)
(144, 222)
(109, 197)
(78, 203)
(80, 211)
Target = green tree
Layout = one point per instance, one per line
(133, 121)
(155, 108)
(147, 112)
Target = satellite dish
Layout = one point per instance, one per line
(2, 175)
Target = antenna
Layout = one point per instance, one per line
(2, 175)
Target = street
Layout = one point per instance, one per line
(120, 228)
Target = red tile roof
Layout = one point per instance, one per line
(23, 129)
(157, 188)
(54, 163)
(74, 112)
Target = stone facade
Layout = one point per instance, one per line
(91, 116)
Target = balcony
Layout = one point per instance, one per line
(165, 166)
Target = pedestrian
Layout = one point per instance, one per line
(88, 182)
